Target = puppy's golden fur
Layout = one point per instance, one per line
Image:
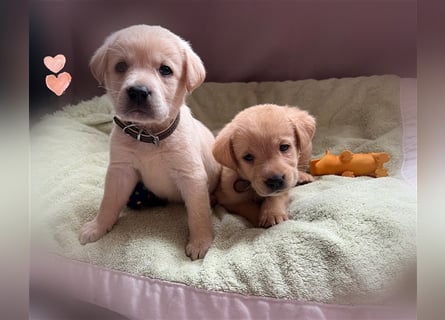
(265, 151)
(147, 71)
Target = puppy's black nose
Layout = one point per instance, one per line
(275, 182)
(138, 94)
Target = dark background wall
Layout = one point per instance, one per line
(245, 40)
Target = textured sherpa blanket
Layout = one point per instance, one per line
(346, 238)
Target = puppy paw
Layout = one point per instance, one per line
(271, 218)
(91, 232)
(304, 178)
(197, 248)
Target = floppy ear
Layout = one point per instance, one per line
(194, 69)
(98, 62)
(223, 148)
(304, 126)
(304, 130)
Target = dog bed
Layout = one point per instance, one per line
(347, 241)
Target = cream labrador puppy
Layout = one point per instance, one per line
(265, 151)
(147, 72)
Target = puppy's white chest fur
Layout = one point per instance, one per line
(157, 174)
(176, 158)
(152, 163)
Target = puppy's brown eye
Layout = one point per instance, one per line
(121, 67)
(165, 70)
(284, 147)
(248, 157)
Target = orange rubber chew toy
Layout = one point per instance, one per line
(349, 164)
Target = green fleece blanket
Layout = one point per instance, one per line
(347, 238)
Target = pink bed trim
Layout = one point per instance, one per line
(138, 297)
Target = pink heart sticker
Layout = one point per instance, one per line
(58, 84)
(55, 64)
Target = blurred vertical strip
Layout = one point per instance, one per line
(14, 137)
(431, 155)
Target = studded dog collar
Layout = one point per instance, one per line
(142, 135)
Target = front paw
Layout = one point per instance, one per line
(304, 178)
(197, 248)
(270, 218)
(91, 232)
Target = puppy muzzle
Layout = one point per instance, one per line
(139, 95)
(275, 183)
(138, 103)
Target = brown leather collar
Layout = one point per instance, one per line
(141, 135)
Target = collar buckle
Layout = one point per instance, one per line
(156, 140)
(140, 134)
